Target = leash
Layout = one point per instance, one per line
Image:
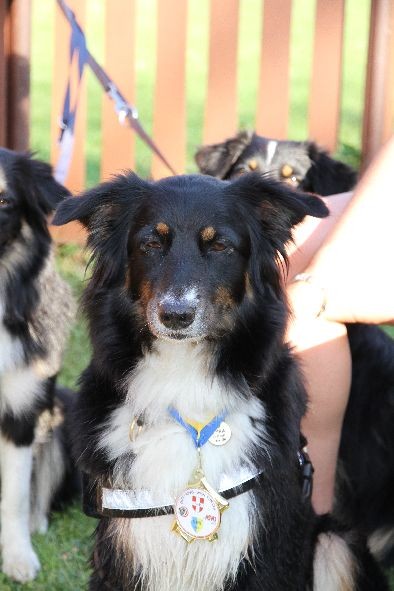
(126, 112)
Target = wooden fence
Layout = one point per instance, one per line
(220, 118)
(14, 73)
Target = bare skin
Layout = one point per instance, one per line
(349, 257)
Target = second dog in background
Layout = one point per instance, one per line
(300, 164)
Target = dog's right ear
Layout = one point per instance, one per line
(217, 159)
(107, 212)
(76, 209)
(98, 206)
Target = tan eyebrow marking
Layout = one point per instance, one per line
(162, 229)
(208, 233)
(252, 164)
(286, 170)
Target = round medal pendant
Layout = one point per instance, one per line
(221, 435)
(197, 515)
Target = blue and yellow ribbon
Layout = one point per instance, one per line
(199, 432)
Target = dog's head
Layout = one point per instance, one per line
(300, 164)
(28, 193)
(188, 251)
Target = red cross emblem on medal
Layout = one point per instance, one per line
(198, 505)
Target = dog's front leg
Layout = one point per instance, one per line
(20, 562)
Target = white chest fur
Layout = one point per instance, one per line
(11, 351)
(165, 458)
(20, 384)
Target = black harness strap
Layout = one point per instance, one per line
(92, 500)
(92, 491)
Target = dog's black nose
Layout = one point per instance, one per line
(176, 315)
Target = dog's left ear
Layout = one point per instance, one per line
(47, 190)
(327, 176)
(279, 207)
(275, 209)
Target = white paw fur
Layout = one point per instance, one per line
(20, 562)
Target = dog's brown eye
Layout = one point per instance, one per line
(153, 244)
(3, 202)
(218, 246)
(150, 245)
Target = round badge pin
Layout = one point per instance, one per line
(197, 514)
(222, 434)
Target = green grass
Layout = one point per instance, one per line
(65, 549)
(63, 552)
(72, 263)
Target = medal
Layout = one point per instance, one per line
(221, 435)
(198, 509)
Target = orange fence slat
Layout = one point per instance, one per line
(76, 178)
(388, 123)
(273, 95)
(220, 118)
(221, 102)
(379, 94)
(18, 75)
(169, 123)
(324, 105)
(119, 64)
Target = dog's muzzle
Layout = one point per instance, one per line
(177, 316)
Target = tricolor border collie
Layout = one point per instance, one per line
(299, 164)
(36, 309)
(187, 319)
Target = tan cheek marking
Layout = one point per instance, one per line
(128, 279)
(145, 292)
(207, 233)
(248, 287)
(223, 297)
(162, 229)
